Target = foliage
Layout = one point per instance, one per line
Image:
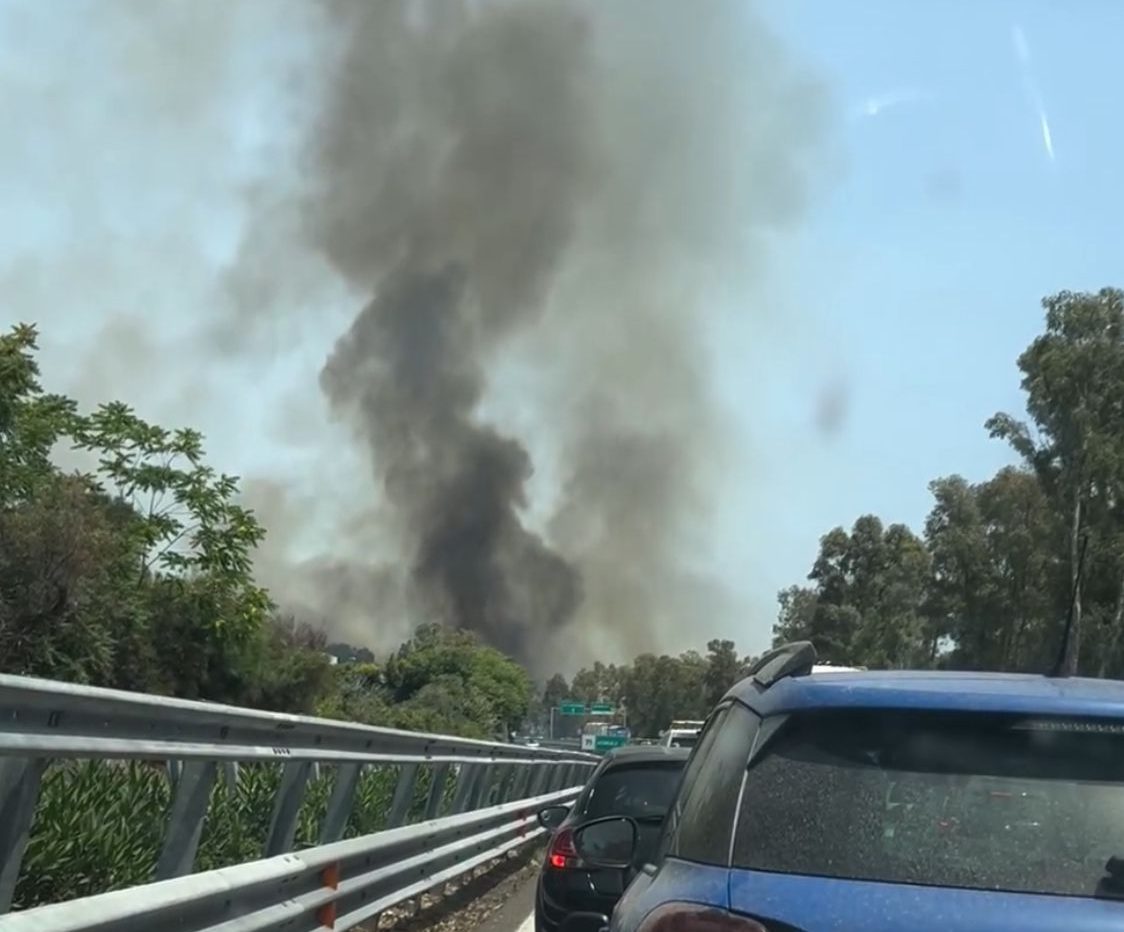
(139, 575)
(99, 825)
(654, 690)
(1002, 568)
(1007, 566)
(447, 676)
(864, 605)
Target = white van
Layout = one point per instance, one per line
(681, 735)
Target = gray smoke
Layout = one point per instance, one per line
(570, 185)
(541, 211)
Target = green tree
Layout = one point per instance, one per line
(723, 670)
(31, 421)
(190, 524)
(556, 690)
(1073, 375)
(443, 668)
(137, 575)
(865, 603)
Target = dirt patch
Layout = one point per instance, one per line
(466, 903)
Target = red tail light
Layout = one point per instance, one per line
(562, 852)
(689, 917)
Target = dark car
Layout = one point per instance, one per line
(888, 801)
(636, 782)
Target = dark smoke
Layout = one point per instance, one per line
(452, 161)
(528, 219)
(575, 187)
(407, 370)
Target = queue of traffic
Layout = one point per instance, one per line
(818, 798)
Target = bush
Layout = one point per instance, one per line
(100, 825)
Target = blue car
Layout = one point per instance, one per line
(888, 802)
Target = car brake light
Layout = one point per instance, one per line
(562, 852)
(690, 917)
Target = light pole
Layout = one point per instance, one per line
(552, 711)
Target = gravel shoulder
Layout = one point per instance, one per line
(497, 898)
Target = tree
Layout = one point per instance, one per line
(190, 525)
(556, 691)
(865, 604)
(31, 421)
(137, 575)
(1073, 375)
(493, 688)
(723, 669)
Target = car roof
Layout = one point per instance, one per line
(1017, 693)
(645, 754)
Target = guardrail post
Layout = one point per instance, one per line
(437, 791)
(19, 790)
(483, 786)
(403, 795)
(185, 823)
(286, 808)
(466, 785)
(229, 771)
(340, 802)
(540, 782)
(505, 783)
(521, 785)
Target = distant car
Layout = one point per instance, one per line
(681, 735)
(637, 782)
(531, 743)
(887, 801)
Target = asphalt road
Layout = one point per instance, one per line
(517, 913)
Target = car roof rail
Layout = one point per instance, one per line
(795, 659)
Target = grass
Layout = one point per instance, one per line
(99, 825)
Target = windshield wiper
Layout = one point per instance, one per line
(1111, 886)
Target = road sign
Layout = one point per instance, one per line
(601, 708)
(608, 742)
(572, 708)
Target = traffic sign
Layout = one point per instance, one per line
(601, 708)
(572, 708)
(608, 742)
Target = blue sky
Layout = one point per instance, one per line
(919, 275)
(911, 288)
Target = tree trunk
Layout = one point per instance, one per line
(1108, 657)
(1073, 641)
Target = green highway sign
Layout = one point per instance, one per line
(607, 742)
(602, 708)
(572, 708)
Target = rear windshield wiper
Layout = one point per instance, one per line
(1111, 886)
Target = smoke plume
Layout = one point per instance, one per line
(513, 228)
(580, 180)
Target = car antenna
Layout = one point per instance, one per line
(1063, 652)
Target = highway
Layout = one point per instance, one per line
(517, 912)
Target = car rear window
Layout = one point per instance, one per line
(684, 741)
(635, 790)
(958, 801)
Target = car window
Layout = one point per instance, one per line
(944, 800)
(698, 827)
(684, 741)
(638, 791)
(709, 807)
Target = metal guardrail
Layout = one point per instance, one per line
(334, 886)
(344, 881)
